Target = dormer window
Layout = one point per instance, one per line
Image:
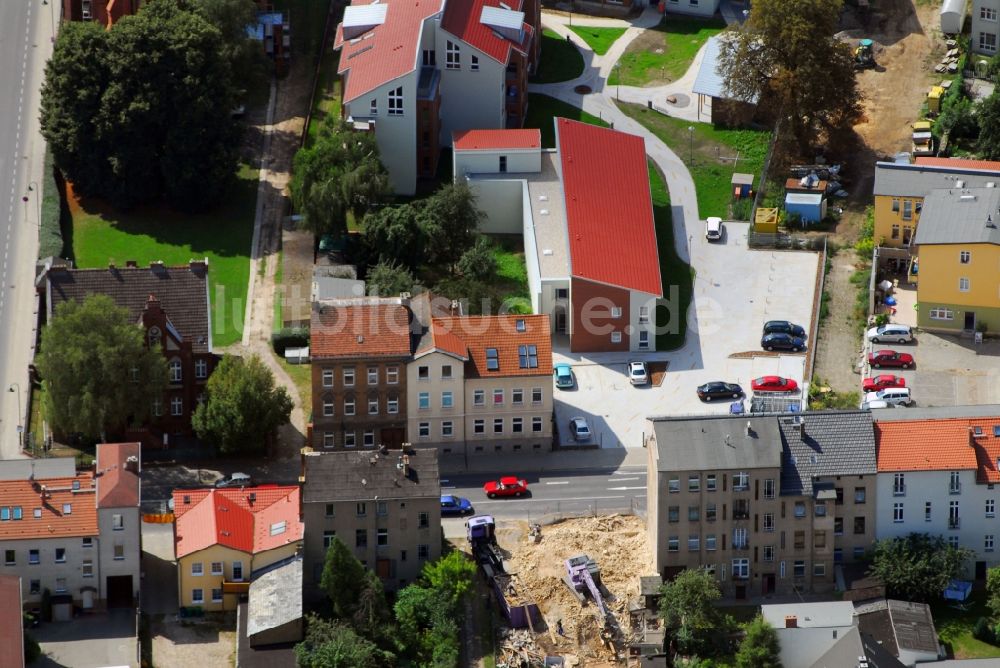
(519, 323)
(528, 356)
(154, 336)
(492, 360)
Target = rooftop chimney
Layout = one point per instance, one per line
(972, 437)
(132, 464)
(791, 622)
(131, 264)
(456, 307)
(802, 428)
(111, 265)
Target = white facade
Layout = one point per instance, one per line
(705, 8)
(985, 26)
(642, 320)
(472, 90)
(119, 545)
(433, 380)
(517, 160)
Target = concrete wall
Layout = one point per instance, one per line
(488, 162)
(502, 201)
(469, 99)
(508, 440)
(703, 8)
(982, 26)
(548, 302)
(435, 415)
(642, 321)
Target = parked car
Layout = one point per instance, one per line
(895, 396)
(881, 358)
(506, 486)
(713, 228)
(719, 390)
(773, 384)
(780, 341)
(234, 480)
(455, 505)
(579, 429)
(784, 327)
(637, 373)
(882, 381)
(563, 374)
(897, 333)
(875, 403)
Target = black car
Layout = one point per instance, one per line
(784, 327)
(719, 390)
(782, 342)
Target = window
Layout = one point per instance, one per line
(392, 405)
(741, 481)
(941, 314)
(423, 520)
(907, 209)
(953, 541)
(987, 41)
(37, 512)
(899, 484)
(674, 484)
(373, 107)
(819, 540)
(197, 569)
(838, 526)
(800, 540)
(820, 509)
(927, 511)
(119, 551)
(643, 339)
(216, 595)
(157, 407)
(694, 542)
(447, 400)
(955, 484)
(373, 405)
(9, 558)
(382, 537)
(710, 512)
(643, 314)
(710, 541)
(987, 13)
(988, 542)
(349, 377)
(479, 426)
(673, 544)
(369, 438)
(897, 512)
(710, 482)
(739, 538)
(492, 360)
(424, 429)
(519, 325)
(800, 509)
(527, 356)
(373, 375)
(674, 514)
(562, 293)
(327, 377)
(497, 425)
(423, 552)
(616, 311)
(517, 397)
(327, 439)
(741, 569)
(616, 337)
(497, 397)
(424, 400)
(694, 513)
(991, 508)
(361, 509)
(741, 509)
(478, 398)
(769, 553)
(769, 522)
(216, 568)
(87, 570)
(963, 285)
(447, 428)
(895, 231)
(5, 513)
(176, 406)
(134, 374)
(175, 371)
(953, 519)
(200, 369)
(517, 425)
(360, 538)
(769, 488)
(88, 542)
(327, 407)
(819, 570)
(154, 336)
(430, 58)
(197, 596)
(860, 525)
(859, 494)
(474, 66)
(536, 395)
(328, 537)
(694, 483)
(536, 425)
(396, 102)
(965, 256)
(503, 170)
(392, 375)
(453, 56)
(423, 372)
(799, 569)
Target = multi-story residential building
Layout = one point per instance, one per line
(957, 251)
(585, 213)
(223, 538)
(938, 473)
(383, 505)
(414, 72)
(983, 38)
(171, 304)
(767, 504)
(359, 350)
(73, 533)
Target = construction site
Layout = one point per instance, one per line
(570, 589)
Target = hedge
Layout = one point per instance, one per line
(289, 337)
(50, 233)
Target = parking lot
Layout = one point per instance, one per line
(736, 291)
(90, 641)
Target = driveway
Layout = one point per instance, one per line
(90, 641)
(736, 290)
(159, 581)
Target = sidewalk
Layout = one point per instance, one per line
(559, 460)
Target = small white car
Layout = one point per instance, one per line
(579, 428)
(895, 396)
(890, 333)
(875, 403)
(713, 229)
(637, 373)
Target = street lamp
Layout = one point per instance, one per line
(691, 144)
(20, 427)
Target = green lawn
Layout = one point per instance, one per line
(326, 101)
(676, 275)
(223, 235)
(598, 39)
(954, 628)
(542, 109)
(664, 53)
(512, 274)
(301, 375)
(701, 150)
(560, 60)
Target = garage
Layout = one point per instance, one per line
(119, 588)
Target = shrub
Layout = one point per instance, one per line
(289, 337)
(50, 234)
(982, 630)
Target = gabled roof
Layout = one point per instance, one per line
(823, 444)
(182, 292)
(709, 80)
(960, 216)
(350, 476)
(491, 140)
(360, 328)
(50, 497)
(387, 51)
(900, 626)
(991, 165)
(609, 211)
(207, 517)
(118, 475)
(900, 180)
(501, 333)
(465, 20)
(925, 445)
(441, 339)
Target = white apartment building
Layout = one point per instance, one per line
(985, 27)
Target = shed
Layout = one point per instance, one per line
(766, 221)
(811, 207)
(274, 613)
(952, 16)
(807, 184)
(742, 185)
(710, 87)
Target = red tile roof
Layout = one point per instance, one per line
(500, 331)
(385, 52)
(484, 140)
(118, 482)
(925, 445)
(227, 517)
(609, 212)
(444, 340)
(959, 163)
(52, 521)
(360, 329)
(11, 629)
(462, 19)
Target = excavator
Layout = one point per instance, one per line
(864, 55)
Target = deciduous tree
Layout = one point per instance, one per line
(988, 115)
(387, 279)
(918, 566)
(98, 373)
(333, 644)
(688, 611)
(479, 262)
(759, 648)
(246, 56)
(243, 407)
(450, 221)
(393, 234)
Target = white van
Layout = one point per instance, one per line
(896, 396)
(890, 332)
(713, 229)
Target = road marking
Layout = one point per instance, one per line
(622, 489)
(573, 498)
(562, 482)
(447, 487)
(624, 479)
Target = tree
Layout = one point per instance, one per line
(918, 566)
(993, 590)
(232, 18)
(787, 54)
(452, 575)
(388, 279)
(450, 221)
(98, 373)
(243, 407)
(958, 118)
(427, 629)
(479, 262)
(151, 118)
(688, 611)
(393, 234)
(332, 644)
(988, 115)
(342, 579)
(339, 174)
(759, 648)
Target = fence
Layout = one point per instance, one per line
(627, 505)
(331, 12)
(765, 168)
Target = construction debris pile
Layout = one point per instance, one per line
(949, 63)
(518, 650)
(619, 546)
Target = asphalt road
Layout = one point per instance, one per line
(25, 43)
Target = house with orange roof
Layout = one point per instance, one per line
(224, 538)
(74, 534)
(939, 475)
(414, 72)
(585, 212)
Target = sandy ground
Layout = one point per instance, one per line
(180, 645)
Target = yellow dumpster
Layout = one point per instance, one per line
(934, 99)
(766, 221)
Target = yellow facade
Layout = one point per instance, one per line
(896, 220)
(956, 280)
(222, 568)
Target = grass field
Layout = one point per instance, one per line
(598, 39)
(301, 375)
(145, 234)
(560, 60)
(542, 109)
(665, 53)
(512, 274)
(954, 629)
(701, 150)
(676, 275)
(326, 100)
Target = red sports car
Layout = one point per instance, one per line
(881, 382)
(773, 384)
(881, 358)
(506, 486)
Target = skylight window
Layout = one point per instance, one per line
(278, 528)
(996, 430)
(519, 323)
(528, 356)
(492, 360)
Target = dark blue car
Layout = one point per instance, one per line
(454, 505)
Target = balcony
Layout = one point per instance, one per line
(229, 587)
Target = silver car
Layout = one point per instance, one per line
(890, 333)
(579, 428)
